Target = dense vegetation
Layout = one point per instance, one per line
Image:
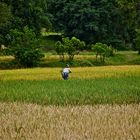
(25, 47)
(107, 21)
(81, 24)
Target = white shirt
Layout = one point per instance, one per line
(66, 70)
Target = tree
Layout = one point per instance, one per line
(129, 11)
(137, 40)
(102, 50)
(69, 46)
(60, 49)
(25, 47)
(72, 45)
(112, 22)
(87, 19)
(17, 15)
(5, 13)
(30, 12)
(138, 13)
(5, 16)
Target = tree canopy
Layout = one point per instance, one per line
(109, 21)
(113, 22)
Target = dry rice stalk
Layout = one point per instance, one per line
(100, 122)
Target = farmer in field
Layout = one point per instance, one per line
(65, 72)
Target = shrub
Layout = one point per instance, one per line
(60, 49)
(102, 50)
(25, 47)
(72, 46)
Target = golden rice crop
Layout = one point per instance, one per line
(100, 122)
(50, 57)
(77, 73)
(77, 57)
(6, 58)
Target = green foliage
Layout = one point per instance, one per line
(112, 22)
(69, 46)
(5, 17)
(25, 47)
(102, 50)
(87, 19)
(5, 13)
(137, 40)
(72, 46)
(130, 18)
(109, 21)
(31, 13)
(60, 49)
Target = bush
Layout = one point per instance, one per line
(102, 50)
(72, 46)
(25, 48)
(60, 50)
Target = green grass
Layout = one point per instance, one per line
(125, 90)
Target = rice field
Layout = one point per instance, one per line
(77, 73)
(96, 103)
(100, 122)
(96, 85)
